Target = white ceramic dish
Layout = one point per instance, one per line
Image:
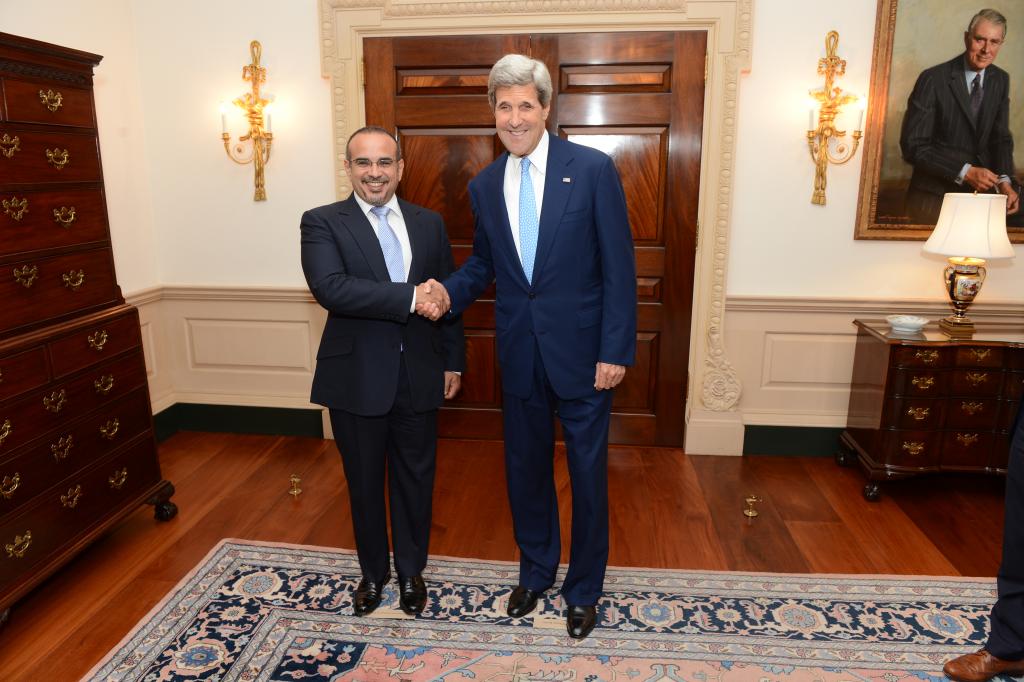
(906, 324)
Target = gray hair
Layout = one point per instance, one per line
(516, 69)
(987, 15)
(376, 130)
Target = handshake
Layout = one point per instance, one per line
(432, 299)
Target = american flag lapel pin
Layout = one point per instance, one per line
(566, 180)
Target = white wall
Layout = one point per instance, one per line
(105, 27)
(782, 245)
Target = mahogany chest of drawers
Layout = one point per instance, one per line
(925, 402)
(77, 451)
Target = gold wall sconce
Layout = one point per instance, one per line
(826, 143)
(254, 146)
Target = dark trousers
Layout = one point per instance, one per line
(403, 444)
(529, 467)
(1006, 639)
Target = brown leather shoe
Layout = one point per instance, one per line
(980, 666)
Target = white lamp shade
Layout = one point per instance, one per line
(971, 225)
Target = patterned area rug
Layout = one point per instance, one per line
(254, 611)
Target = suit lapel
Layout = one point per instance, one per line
(417, 240)
(990, 98)
(358, 225)
(494, 186)
(556, 196)
(958, 86)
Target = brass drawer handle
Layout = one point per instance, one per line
(972, 408)
(967, 439)
(5, 430)
(927, 356)
(919, 413)
(913, 447)
(62, 447)
(97, 339)
(109, 430)
(104, 384)
(9, 485)
(73, 279)
(923, 383)
(9, 145)
(980, 353)
(17, 549)
(64, 216)
(118, 478)
(26, 275)
(71, 499)
(51, 100)
(16, 208)
(977, 378)
(58, 158)
(55, 401)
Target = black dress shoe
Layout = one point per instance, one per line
(580, 620)
(522, 601)
(368, 593)
(412, 594)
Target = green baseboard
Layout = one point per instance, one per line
(277, 421)
(796, 441)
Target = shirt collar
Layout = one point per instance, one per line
(366, 207)
(969, 73)
(538, 157)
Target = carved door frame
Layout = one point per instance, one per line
(714, 426)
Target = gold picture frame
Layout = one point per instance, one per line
(922, 34)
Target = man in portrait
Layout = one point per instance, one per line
(956, 132)
(382, 370)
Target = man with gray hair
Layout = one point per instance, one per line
(956, 130)
(552, 233)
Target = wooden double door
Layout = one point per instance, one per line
(639, 97)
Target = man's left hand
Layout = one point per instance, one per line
(452, 382)
(1012, 198)
(608, 376)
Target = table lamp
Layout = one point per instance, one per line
(971, 230)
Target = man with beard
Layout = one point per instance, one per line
(382, 370)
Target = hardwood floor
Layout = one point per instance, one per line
(667, 510)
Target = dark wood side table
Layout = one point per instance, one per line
(925, 402)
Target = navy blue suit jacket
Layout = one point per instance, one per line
(368, 318)
(581, 306)
(939, 134)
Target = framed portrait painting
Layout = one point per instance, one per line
(911, 36)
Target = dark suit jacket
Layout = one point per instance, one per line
(939, 135)
(582, 303)
(368, 317)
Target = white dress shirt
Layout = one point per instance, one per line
(538, 169)
(397, 223)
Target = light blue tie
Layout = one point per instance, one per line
(528, 224)
(389, 244)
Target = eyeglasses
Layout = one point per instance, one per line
(367, 164)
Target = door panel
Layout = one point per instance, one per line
(639, 97)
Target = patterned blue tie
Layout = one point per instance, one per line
(389, 244)
(528, 224)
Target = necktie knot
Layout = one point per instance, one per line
(380, 211)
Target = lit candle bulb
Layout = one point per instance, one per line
(860, 123)
(223, 119)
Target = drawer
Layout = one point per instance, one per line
(43, 102)
(915, 413)
(979, 356)
(60, 514)
(921, 383)
(909, 356)
(980, 382)
(911, 449)
(66, 400)
(966, 448)
(39, 289)
(32, 221)
(94, 343)
(972, 413)
(66, 451)
(22, 372)
(48, 157)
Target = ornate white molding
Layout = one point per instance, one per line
(729, 24)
